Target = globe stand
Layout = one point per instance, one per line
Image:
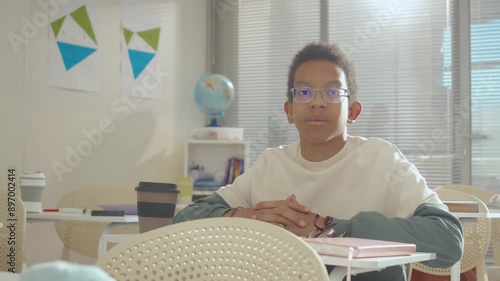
(214, 123)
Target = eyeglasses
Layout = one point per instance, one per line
(307, 94)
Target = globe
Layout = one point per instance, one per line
(214, 93)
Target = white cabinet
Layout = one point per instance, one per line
(212, 155)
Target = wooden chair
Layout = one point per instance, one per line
(476, 239)
(214, 249)
(83, 237)
(12, 213)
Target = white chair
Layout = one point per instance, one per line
(83, 237)
(12, 213)
(484, 195)
(476, 239)
(214, 249)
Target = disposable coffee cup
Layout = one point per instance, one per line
(185, 186)
(32, 185)
(156, 204)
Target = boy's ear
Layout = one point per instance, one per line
(289, 111)
(354, 111)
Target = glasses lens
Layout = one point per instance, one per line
(303, 94)
(333, 95)
(306, 94)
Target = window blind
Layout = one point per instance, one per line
(405, 54)
(255, 42)
(485, 98)
(407, 63)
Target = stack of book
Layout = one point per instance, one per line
(462, 206)
(203, 181)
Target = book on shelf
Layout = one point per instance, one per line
(234, 168)
(226, 173)
(360, 247)
(230, 177)
(462, 206)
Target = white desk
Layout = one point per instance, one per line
(105, 237)
(8, 276)
(493, 214)
(362, 265)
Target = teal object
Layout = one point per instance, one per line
(62, 270)
(139, 60)
(73, 54)
(214, 94)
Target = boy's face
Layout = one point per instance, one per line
(319, 121)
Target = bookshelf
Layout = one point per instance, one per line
(212, 155)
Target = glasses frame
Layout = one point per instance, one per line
(342, 93)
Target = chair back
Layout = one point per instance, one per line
(81, 236)
(476, 237)
(12, 232)
(214, 249)
(485, 196)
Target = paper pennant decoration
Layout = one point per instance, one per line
(81, 17)
(151, 37)
(128, 35)
(71, 53)
(56, 25)
(139, 59)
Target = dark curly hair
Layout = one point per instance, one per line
(324, 51)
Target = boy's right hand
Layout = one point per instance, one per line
(285, 213)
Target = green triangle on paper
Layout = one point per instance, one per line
(57, 24)
(81, 17)
(128, 34)
(151, 36)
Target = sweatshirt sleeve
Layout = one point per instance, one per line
(207, 207)
(431, 228)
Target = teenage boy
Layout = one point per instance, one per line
(362, 187)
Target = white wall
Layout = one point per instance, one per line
(11, 97)
(41, 124)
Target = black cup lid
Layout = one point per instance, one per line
(157, 187)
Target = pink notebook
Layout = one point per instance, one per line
(362, 248)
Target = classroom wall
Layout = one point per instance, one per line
(42, 126)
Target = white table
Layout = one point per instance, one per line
(361, 265)
(105, 237)
(493, 214)
(8, 276)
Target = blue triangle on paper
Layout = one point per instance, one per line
(73, 54)
(139, 60)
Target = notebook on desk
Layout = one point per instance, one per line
(361, 247)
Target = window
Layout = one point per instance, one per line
(254, 43)
(407, 56)
(403, 51)
(485, 96)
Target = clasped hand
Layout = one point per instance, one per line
(288, 214)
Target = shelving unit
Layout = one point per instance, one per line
(212, 155)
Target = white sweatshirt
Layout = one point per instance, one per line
(369, 188)
(366, 175)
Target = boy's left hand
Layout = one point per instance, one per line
(300, 214)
